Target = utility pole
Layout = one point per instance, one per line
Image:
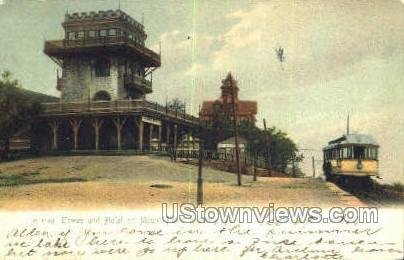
(235, 132)
(199, 188)
(267, 145)
(255, 167)
(314, 169)
(293, 167)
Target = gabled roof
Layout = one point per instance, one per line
(232, 140)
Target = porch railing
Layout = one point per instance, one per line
(113, 106)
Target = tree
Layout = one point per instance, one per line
(215, 131)
(17, 110)
(176, 104)
(283, 149)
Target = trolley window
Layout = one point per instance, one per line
(359, 152)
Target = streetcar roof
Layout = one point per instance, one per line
(352, 139)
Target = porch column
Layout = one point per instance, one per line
(141, 128)
(97, 124)
(175, 137)
(188, 142)
(160, 133)
(150, 136)
(119, 124)
(54, 125)
(167, 135)
(75, 127)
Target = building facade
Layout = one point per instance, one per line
(228, 146)
(106, 73)
(103, 57)
(223, 106)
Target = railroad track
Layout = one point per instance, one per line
(369, 191)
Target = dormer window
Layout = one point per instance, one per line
(102, 68)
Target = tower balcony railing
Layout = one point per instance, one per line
(138, 81)
(98, 40)
(110, 40)
(116, 106)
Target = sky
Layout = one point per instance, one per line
(340, 57)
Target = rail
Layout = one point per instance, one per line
(102, 41)
(139, 81)
(117, 106)
(213, 155)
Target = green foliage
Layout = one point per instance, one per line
(214, 132)
(17, 109)
(176, 104)
(283, 150)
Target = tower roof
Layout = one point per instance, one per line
(229, 84)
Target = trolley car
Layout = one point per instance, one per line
(351, 156)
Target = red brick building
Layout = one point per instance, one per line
(245, 110)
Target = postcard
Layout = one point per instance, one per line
(201, 129)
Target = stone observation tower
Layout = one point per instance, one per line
(106, 74)
(103, 57)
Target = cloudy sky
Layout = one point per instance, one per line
(342, 57)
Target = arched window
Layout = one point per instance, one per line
(102, 96)
(102, 67)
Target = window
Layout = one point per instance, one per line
(345, 152)
(71, 35)
(80, 35)
(112, 32)
(349, 153)
(102, 68)
(103, 33)
(359, 152)
(373, 153)
(102, 95)
(91, 34)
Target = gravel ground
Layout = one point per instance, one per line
(139, 182)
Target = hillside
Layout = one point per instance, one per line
(133, 182)
(36, 96)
